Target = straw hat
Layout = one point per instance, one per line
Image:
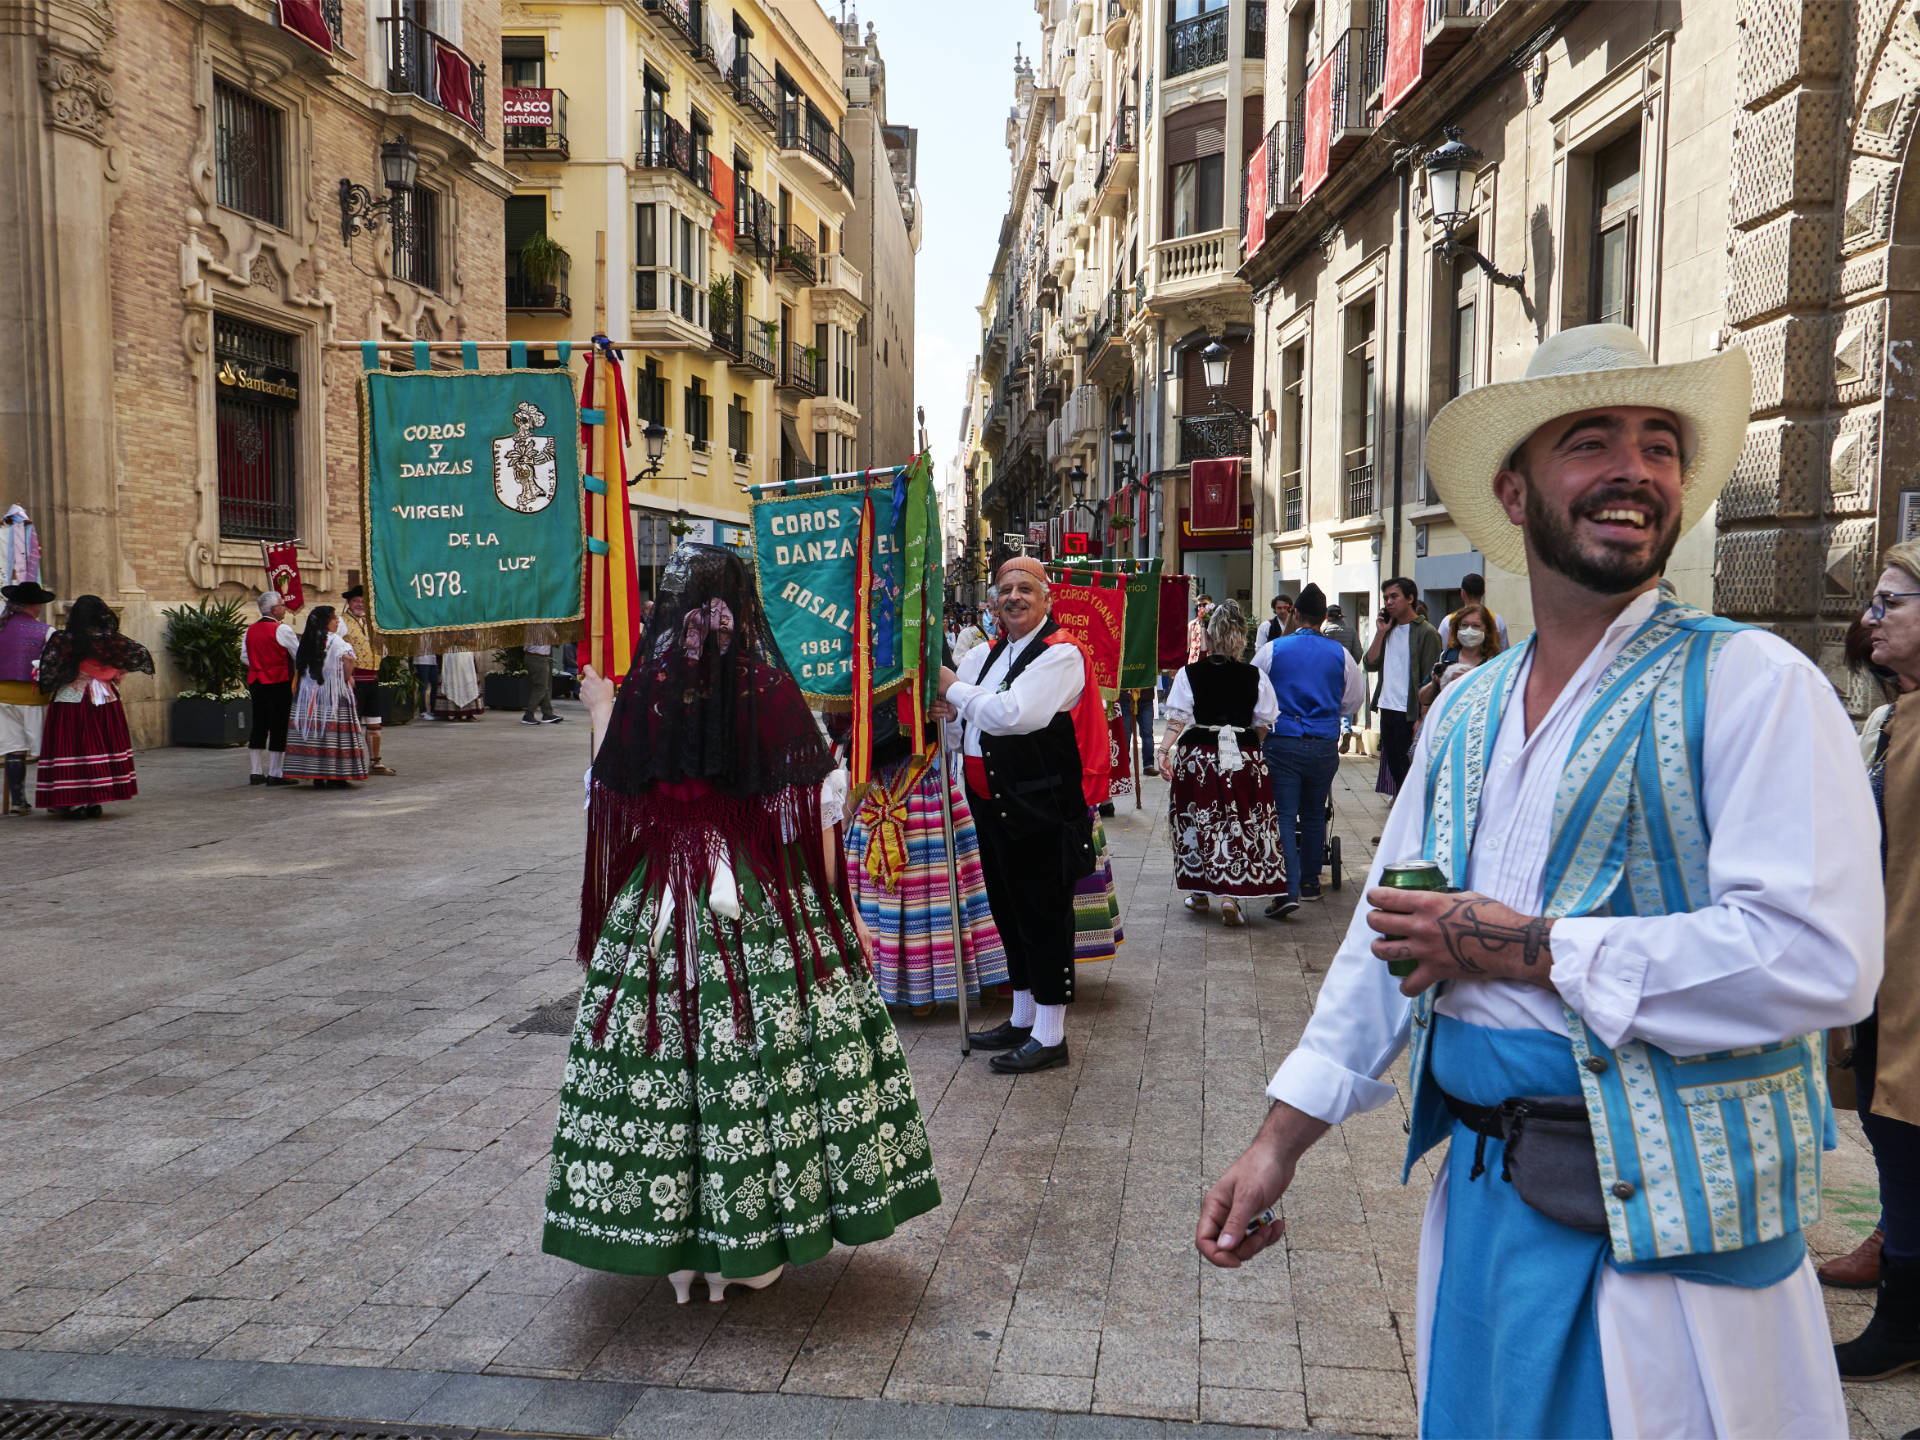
(1590, 367)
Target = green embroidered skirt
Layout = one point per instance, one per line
(781, 1136)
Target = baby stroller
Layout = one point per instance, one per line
(1330, 860)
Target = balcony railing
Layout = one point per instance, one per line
(1347, 102)
(1441, 11)
(756, 222)
(541, 139)
(809, 133)
(1197, 43)
(801, 372)
(1214, 437)
(797, 254)
(1292, 502)
(666, 144)
(331, 12)
(1256, 30)
(761, 352)
(1196, 257)
(1359, 487)
(729, 341)
(1122, 139)
(754, 88)
(678, 14)
(1373, 75)
(1297, 144)
(420, 62)
(1283, 171)
(547, 292)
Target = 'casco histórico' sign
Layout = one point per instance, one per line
(471, 488)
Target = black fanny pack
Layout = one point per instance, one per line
(1547, 1154)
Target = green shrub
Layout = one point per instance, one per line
(204, 641)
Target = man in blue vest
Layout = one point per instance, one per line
(1317, 683)
(1617, 1015)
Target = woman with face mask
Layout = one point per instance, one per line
(1474, 640)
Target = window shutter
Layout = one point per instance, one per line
(1196, 131)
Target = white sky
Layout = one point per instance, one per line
(950, 74)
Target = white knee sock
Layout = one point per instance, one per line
(1023, 1007)
(1050, 1024)
(257, 762)
(276, 763)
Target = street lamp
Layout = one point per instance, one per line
(1450, 168)
(1122, 442)
(1077, 477)
(1214, 361)
(655, 436)
(359, 211)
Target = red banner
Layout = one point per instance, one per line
(1216, 496)
(527, 107)
(723, 192)
(308, 20)
(283, 573)
(1257, 199)
(456, 82)
(1319, 116)
(1172, 642)
(1094, 613)
(1405, 21)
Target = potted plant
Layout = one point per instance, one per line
(541, 259)
(720, 307)
(204, 641)
(812, 356)
(505, 687)
(399, 691)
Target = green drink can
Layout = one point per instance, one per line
(1410, 875)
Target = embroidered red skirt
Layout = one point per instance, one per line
(86, 756)
(1226, 833)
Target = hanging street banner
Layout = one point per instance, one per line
(470, 491)
(806, 553)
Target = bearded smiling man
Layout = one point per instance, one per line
(1617, 1019)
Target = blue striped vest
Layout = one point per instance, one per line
(1698, 1153)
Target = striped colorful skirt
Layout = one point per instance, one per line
(325, 741)
(1097, 933)
(908, 921)
(86, 755)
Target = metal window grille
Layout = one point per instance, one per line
(416, 236)
(1196, 43)
(247, 141)
(255, 429)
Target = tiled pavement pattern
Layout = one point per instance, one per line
(260, 1103)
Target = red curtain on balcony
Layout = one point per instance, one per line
(723, 222)
(455, 74)
(1405, 21)
(306, 19)
(1313, 163)
(1216, 497)
(1257, 199)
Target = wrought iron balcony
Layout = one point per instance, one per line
(808, 132)
(666, 144)
(1360, 489)
(1347, 115)
(802, 370)
(678, 14)
(1373, 75)
(761, 351)
(541, 140)
(423, 63)
(1198, 42)
(330, 11)
(539, 289)
(728, 341)
(797, 255)
(754, 88)
(1214, 437)
(1123, 139)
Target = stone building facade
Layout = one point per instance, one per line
(1714, 174)
(179, 271)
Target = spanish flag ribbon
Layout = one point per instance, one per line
(885, 816)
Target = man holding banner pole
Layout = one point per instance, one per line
(1032, 725)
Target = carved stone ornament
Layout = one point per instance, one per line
(79, 98)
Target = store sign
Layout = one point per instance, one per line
(1073, 543)
(528, 108)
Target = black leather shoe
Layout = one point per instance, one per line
(256, 780)
(1003, 1036)
(1030, 1057)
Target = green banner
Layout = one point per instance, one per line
(1139, 660)
(470, 488)
(805, 550)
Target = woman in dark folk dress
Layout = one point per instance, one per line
(1226, 838)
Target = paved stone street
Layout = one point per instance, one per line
(265, 1110)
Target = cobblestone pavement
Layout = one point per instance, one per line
(266, 1118)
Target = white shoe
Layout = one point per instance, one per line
(717, 1283)
(682, 1282)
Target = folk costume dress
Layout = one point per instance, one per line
(896, 857)
(86, 750)
(1225, 831)
(23, 709)
(735, 1097)
(325, 740)
(1695, 1033)
(458, 697)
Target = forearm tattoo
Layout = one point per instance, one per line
(1468, 925)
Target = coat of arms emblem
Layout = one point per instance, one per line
(526, 474)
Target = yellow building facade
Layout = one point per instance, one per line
(681, 185)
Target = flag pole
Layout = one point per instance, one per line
(953, 889)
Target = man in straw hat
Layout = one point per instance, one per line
(1033, 733)
(1671, 900)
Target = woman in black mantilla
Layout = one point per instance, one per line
(735, 1097)
(86, 750)
(1226, 836)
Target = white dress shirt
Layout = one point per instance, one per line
(1393, 671)
(1791, 943)
(1050, 683)
(1179, 702)
(1353, 690)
